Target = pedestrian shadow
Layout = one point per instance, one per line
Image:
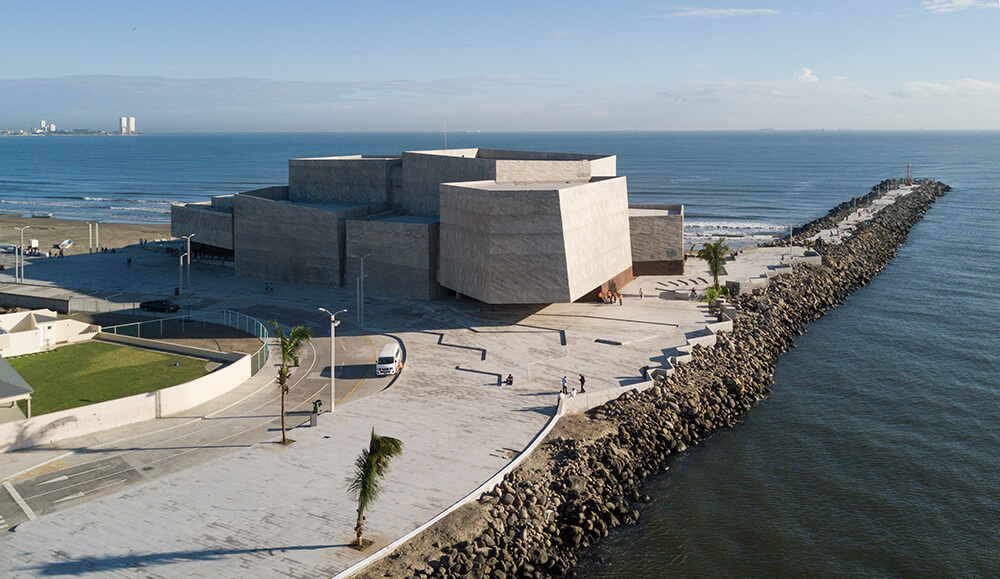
(83, 565)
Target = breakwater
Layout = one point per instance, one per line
(585, 479)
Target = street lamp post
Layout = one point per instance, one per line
(361, 289)
(180, 275)
(97, 234)
(20, 251)
(334, 322)
(90, 237)
(188, 238)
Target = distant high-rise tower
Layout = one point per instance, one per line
(124, 125)
(131, 125)
(43, 125)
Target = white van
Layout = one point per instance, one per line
(390, 359)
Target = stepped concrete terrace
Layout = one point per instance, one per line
(259, 509)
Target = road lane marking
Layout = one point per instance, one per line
(69, 498)
(366, 373)
(20, 502)
(44, 468)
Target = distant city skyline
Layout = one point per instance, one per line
(517, 66)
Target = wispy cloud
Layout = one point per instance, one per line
(696, 12)
(967, 87)
(805, 75)
(949, 6)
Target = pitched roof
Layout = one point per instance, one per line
(12, 385)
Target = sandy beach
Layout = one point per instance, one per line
(49, 232)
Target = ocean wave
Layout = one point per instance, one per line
(125, 200)
(141, 209)
(735, 225)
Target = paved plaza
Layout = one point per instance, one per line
(234, 504)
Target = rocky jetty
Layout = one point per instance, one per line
(534, 523)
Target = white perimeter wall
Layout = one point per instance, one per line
(56, 426)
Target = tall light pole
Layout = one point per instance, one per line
(90, 237)
(20, 251)
(188, 238)
(180, 276)
(334, 322)
(361, 288)
(97, 234)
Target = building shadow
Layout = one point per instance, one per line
(84, 565)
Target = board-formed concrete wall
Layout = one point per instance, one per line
(346, 180)
(541, 171)
(657, 233)
(510, 243)
(596, 230)
(211, 226)
(423, 174)
(290, 242)
(502, 246)
(403, 255)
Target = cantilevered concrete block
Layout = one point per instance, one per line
(533, 242)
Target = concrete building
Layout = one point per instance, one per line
(495, 225)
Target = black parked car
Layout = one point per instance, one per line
(159, 306)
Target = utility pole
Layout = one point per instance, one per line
(20, 251)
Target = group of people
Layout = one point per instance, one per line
(99, 249)
(269, 287)
(143, 242)
(566, 391)
(610, 297)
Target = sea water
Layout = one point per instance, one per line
(878, 453)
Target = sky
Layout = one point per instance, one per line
(372, 65)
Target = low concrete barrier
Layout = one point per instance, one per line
(584, 402)
(200, 390)
(169, 347)
(20, 296)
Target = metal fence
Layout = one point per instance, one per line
(160, 327)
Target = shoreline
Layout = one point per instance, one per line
(584, 478)
(50, 231)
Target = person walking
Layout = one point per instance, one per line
(621, 302)
(582, 382)
(564, 389)
(640, 293)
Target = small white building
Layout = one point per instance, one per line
(38, 330)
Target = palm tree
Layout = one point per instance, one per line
(715, 254)
(290, 346)
(369, 470)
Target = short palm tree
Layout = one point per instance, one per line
(715, 255)
(369, 470)
(289, 346)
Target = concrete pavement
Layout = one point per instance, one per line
(266, 510)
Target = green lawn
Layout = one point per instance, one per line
(82, 374)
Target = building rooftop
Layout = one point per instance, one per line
(515, 186)
(12, 385)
